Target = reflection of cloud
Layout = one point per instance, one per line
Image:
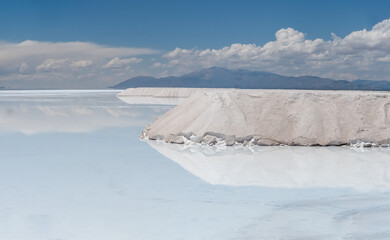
(287, 167)
(117, 112)
(50, 111)
(32, 112)
(32, 120)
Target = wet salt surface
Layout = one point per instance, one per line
(72, 167)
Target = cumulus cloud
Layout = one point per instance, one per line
(363, 54)
(35, 64)
(81, 63)
(52, 64)
(121, 63)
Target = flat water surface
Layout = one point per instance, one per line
(72, 167)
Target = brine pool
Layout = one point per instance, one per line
(72, 167)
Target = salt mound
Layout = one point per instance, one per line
(274, 117)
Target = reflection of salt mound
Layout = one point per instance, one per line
(287, 167)
(272, 117)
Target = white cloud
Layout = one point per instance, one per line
(23, 67)
(363, 54)
(81, 63)
(384, 59)
(34, 49)
(157, 65)
(34, 64)
(121, 63)
(52, 64)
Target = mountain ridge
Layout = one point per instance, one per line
(217, 77)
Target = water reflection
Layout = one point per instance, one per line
(152, 100)
(286, 167)
(32, 112)
(77, 183)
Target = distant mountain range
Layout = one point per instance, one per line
(216, 77)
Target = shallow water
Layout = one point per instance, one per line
(72, 167)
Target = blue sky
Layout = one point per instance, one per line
(148, 32)
(186, 24)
